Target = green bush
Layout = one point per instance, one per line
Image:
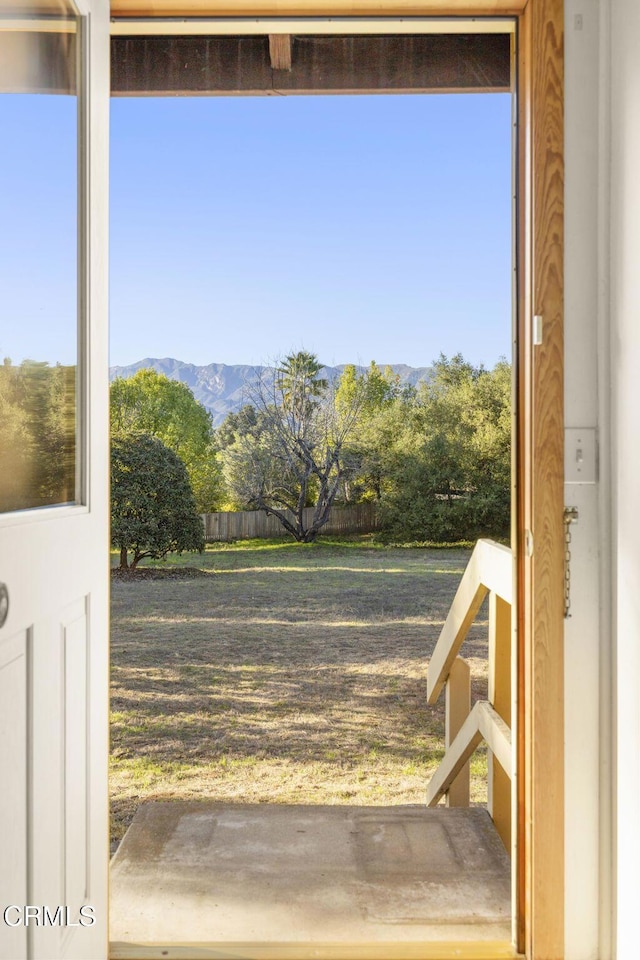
(153, 510)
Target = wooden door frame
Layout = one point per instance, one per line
(539, 534)
(539, 444)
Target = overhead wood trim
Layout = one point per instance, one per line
(315, 26)
(280, 51)
(162, 66)
(316, 8)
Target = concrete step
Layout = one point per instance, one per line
(220, 873)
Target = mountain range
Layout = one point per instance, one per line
(223, 388)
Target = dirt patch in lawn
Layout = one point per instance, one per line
(297, 674)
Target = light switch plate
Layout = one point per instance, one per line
(580, 455)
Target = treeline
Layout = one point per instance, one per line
(435, 458)
(438, 458)
(37, 434)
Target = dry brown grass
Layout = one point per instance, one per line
(284, 673)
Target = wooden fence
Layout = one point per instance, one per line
(250, 524)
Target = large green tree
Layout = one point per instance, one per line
(375, 430)
(448, 466)
(153, 510)
(151, 403)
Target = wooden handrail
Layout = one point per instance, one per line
(483, 723)
(490, 569)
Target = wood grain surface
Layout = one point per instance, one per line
(315, 8)
(523, 470)
(203, 65)
(541, 472)
(280, 51)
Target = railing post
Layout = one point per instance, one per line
(457, 709)
(499, 784)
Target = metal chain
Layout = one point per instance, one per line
(570, 516)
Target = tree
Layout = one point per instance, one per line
(448, 467)
(298, 381)
(16, 441)
(153, 510)
(37, 434)
(247, 421)
(151, 403)
(299, 458)
(377, 388)
(368, 447)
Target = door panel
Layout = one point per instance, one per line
(54, 559)
(53, 814)
(13, 796)
(75, 792)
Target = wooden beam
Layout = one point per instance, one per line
(497, 736)
(500, 697)
(483, 723)
(457, 755)
(541, 476)
(462, 613)
(280, 51)
(204, 65)
(490, 568)
(304, 26)
(318, 8)
(523, 469)
(496, 568)
(458, 708)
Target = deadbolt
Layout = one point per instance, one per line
(4, 604)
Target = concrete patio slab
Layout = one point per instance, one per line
(209, 872)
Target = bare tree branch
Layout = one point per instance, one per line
(298, 458)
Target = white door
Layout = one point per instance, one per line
(54, 90)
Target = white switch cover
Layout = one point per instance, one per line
(580, 455)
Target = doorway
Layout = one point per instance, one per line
(182, 78)
(539, 527)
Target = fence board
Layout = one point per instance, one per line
(255, 524)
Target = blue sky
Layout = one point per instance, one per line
(356, 227)
(38, 214)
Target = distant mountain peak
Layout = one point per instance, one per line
(222, 387)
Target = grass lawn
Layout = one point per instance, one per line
(283, 672)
